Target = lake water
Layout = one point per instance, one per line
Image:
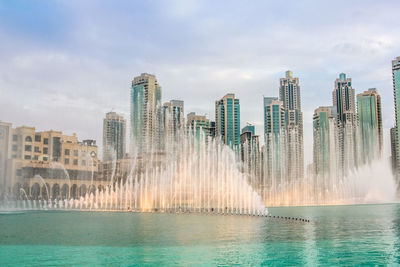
(347, 235)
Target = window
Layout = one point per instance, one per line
(28, 148)
(66, 152)
(36, 149)
(27, 157)
(75, 153)
(38, 138)
(66, 161)
(14, 156)
(45, 150)
(28, 139)
(46, 141)
(14, 148)
(45, 158)
(83, 162)
(15, 137)
(36, 157)
(75, 162)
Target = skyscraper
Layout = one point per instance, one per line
(145, 113)
(114, 136)
(274, 152)
(173, 118)
(250, 155)
(396, 131)
(343, 97)
(227, 120)
(289, 94)
(370, 125)
(325, 143)
(195, 123)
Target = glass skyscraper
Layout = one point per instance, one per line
(227, 119)
(370, 125)
(343, 97)
(114, 135)
(325, 142)
(396, 132)
(145, 114)
(289, 94)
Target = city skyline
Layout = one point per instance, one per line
(62, 72)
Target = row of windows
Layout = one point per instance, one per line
(35, 157)
(75, 162)
(76, 152)
(28, 148)
(38, 138)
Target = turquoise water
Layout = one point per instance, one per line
(337, 235)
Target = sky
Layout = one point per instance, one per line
(64, 64)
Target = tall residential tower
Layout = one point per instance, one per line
(145, 114)
(289, 94)
(343, 97)
(396, 131)
(227, 120)
(114, 136)
(370, 125)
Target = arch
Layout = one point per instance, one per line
(65, 191)
(27, 189)
(17, 190)
(101, 188)
(92, 189)
(44, 191)
(82, 190)
(55, 192)
(35, 192)
(74, 191)
(28, 139)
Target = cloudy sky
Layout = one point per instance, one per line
(64, 64)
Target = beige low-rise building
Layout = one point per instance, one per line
(63, 164)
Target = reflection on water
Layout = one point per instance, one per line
(347, 235)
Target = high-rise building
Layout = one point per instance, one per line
(325, 142)
(274, 152)
(227, 120)
(114, 136)
(370, 130)
(289, 94)
(396, 93)
(250, 155)
(145, 114)
(173, 117)
(5, 135)
(249, 128)
(394, 150)
(196, 123)
(343, 97)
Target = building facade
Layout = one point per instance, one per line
(227, 120)
(173, 119)
(343, 97)
(251, 156)
(289, 94)
(396, 132)
(370, 129)
(50, 165)
(274, 151)
(145, 114)
(325, 146)
(5, 138)
(114, 136)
